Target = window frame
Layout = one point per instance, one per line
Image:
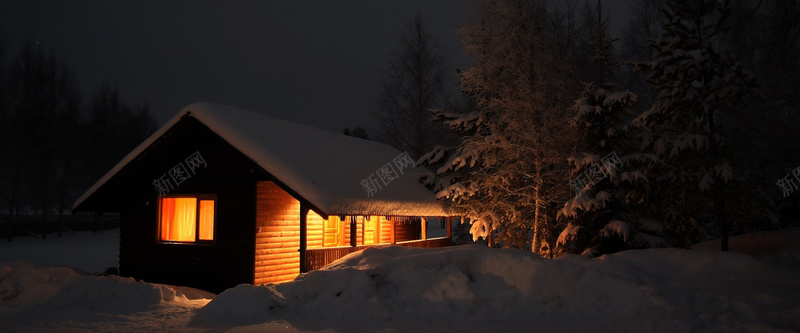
(197, 240)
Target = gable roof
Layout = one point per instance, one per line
(324, 168)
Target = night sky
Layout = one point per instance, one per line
(318, 63)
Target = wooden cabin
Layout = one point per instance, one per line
(221, 196)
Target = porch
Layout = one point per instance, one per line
(319, 257)
(292, 238)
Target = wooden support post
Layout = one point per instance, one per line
(340, 231)
(353, 231)
(303, 237)
(394, 229)
(424, 228)
(449, 227)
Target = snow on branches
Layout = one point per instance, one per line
(698, 85)
(508, 172)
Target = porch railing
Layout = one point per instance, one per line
(319, 257)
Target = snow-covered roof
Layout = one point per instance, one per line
(327, 169)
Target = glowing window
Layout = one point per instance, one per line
(186, 219)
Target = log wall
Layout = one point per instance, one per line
(407, 229)
(386, 230)
(277, 243)
(315, 230)
(277, 235)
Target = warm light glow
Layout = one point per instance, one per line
(368, 227)
(331, 234)
(336, 231)
(187, 219)
(206, 219)
(178, 219)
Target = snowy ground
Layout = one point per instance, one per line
(83, 251)
(464, 288)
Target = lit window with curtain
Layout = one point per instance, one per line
(186, 219)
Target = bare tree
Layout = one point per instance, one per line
(113, 129)
(509, 172)
(415, 82)
(43, 108)
(643, 26)
(50, 151)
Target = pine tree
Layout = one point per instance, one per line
(600, 216)
(698, 86)
(764, 40)
(508, 175)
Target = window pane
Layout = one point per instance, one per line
(206, 219)
(178, 217)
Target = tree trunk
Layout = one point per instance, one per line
(45, 199)
(536, 243)
(718, 192)
(61, 205)
(724, 225)
(723, 230)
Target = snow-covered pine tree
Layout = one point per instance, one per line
(508, 175)
(600, 215)
(697, 86)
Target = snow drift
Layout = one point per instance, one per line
(396, 289)
(32, 294)
(478, 288)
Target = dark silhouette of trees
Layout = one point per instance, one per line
(414, 83)
(53, 147)
(764, 37)
(113, 129)
(41, 109)
(357, 131)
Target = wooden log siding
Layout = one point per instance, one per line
(407, 229)
(315, 230)
(386, 229)
(277, 235)
(277, 257)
